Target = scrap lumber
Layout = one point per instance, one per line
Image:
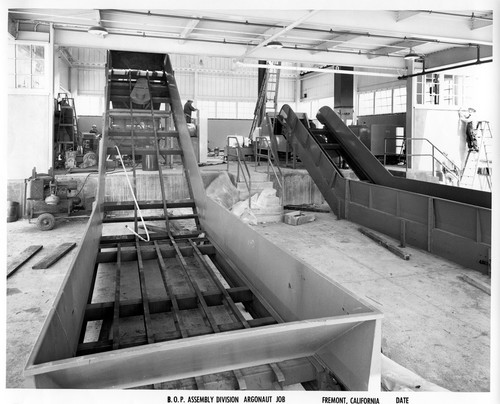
(296, 218)
(392, 248)
(18, 261)
(54, 256)
(476, 283)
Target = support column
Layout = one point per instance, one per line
(50, 74)
(411, 102)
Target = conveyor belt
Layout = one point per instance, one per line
(452, 222)
(336, 139)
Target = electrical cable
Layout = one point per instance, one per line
(81, 188)
(135, 201)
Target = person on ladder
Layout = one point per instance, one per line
(467, 116)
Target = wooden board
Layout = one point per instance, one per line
(18, 261)
(54, 256)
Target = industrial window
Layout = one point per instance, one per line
(89, 105)
(383, 101)
(443, 89)
(207, 108)
(366, 103)
(246, 110)
(226, 109)
(312, 107)
(399, 100)
(26, 66)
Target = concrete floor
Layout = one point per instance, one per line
(435, 324)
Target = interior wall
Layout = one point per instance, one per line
(61, 75)
(220, 129)
(85, 122)
(28, 140)
(443, 128)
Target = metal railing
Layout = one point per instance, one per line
(241, 164)
(258, 153)
(436, 155)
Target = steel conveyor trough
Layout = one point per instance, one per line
(189, 309)
(451, 222)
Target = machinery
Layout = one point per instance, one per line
(48, 199)
(198, 308)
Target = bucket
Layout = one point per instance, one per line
(12, 211)
(149, 162)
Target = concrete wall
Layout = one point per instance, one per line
(29, 140)
(298, 189)
(220, 129)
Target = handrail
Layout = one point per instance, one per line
(454, 170)
(269, 161)
(248, 181)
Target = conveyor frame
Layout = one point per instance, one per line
(316, 318)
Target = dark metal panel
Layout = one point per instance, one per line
(359, 193)
(376, 220)
(413, 207)
(467, 252)
(484, 224)
(384, 199)
(455, 218)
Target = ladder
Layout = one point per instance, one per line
(66, 129)
(146, 131)
(479, 162)
(267, 100)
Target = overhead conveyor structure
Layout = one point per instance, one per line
(217, 306)
(451, 222)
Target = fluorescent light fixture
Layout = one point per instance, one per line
(274, 45)
(412, 55)
(98, 30)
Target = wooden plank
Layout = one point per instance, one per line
(144, 294)
(129, 308)
(175, 306)
(197, 290)
(54, 256)
(125, 205)
(19, 260)
(392, 248)
(116, 309)
(477, 283)
(205, 262)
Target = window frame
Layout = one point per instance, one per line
(45, 89)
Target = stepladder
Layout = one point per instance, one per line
(477, 168)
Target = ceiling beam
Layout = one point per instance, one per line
(405, 14)
(477, 23)
(281, 32)
(190, 26)
(337, 39)
(456, 56)
(233, 51)
(390, 48)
